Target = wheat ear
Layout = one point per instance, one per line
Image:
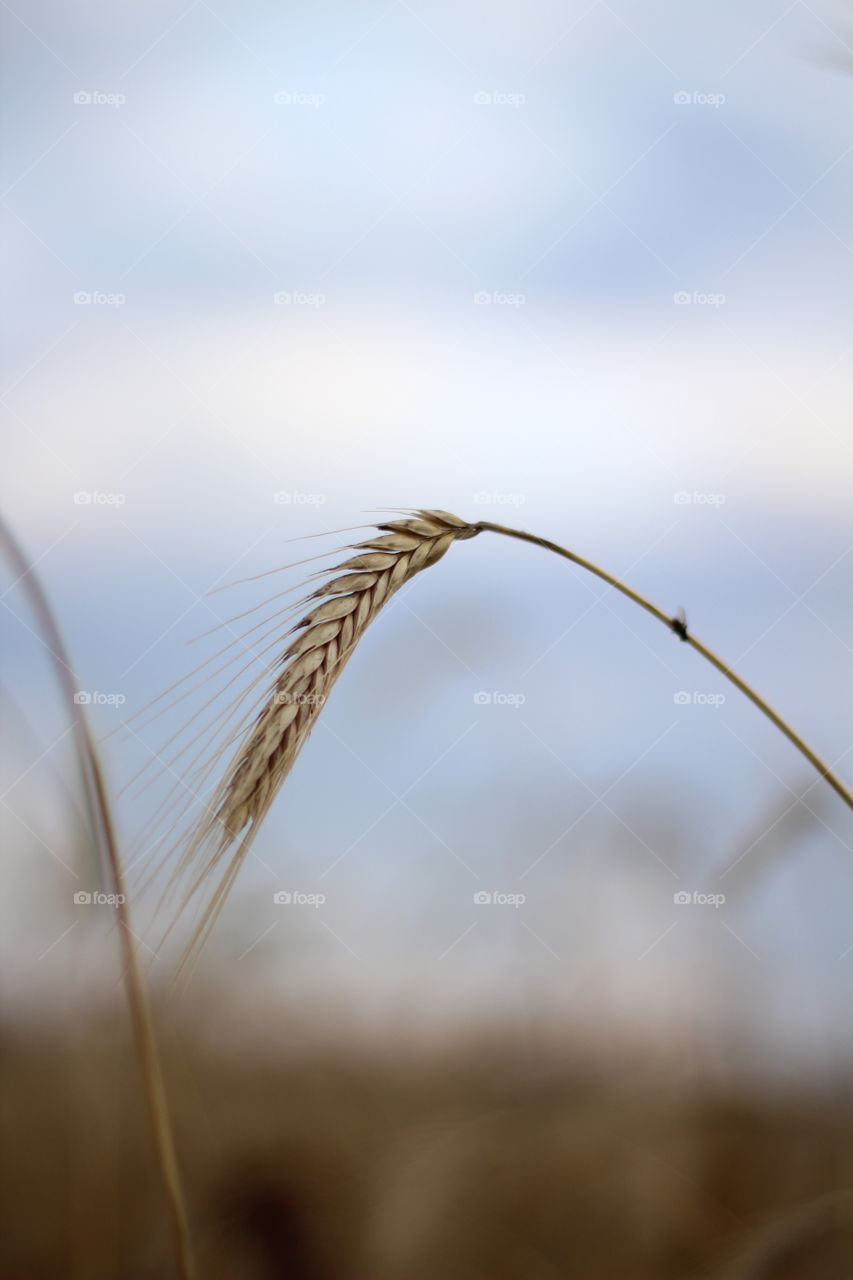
(325, 638)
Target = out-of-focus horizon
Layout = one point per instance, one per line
(583, 268)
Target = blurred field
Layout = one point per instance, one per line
(497, 1160)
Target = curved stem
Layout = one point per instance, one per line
(680, 628)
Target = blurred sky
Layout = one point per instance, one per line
(584, 268)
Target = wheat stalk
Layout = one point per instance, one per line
(678, 625)
(103, 835)
(325, 638)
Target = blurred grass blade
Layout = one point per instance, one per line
(102, 830)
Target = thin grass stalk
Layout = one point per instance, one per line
(103, 832)
(679, 626)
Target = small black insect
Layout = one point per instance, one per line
(679, 624)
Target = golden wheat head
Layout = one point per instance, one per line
(324, 639)
(341, 611)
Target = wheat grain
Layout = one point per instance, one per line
(342, 609)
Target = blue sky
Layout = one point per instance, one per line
(580, 267)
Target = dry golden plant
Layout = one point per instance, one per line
(103, 837)
(340, 611)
